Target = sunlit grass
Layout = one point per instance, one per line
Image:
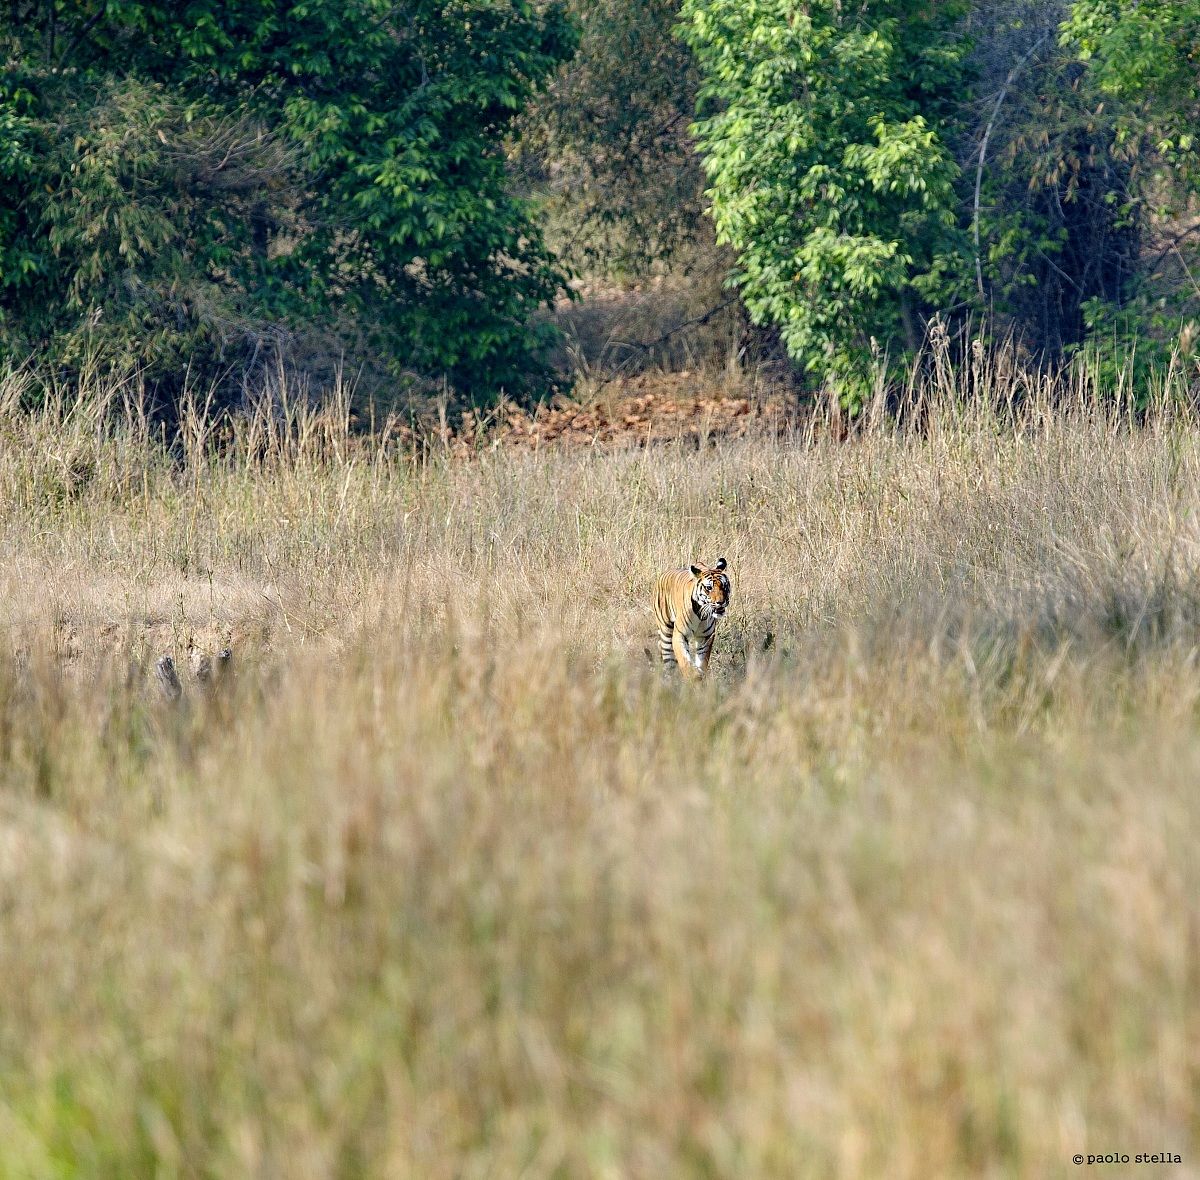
(448, 883)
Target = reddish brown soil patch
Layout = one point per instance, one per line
(635, 411)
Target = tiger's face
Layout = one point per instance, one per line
(712, 590)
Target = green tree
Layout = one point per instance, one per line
(186, 180)
(1148, 54)
(1144, 59)
(609, 140)
(1052, 195)
(822, 131)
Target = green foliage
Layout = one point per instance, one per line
(1147, 53)
(144, 229)
(194, 182)
(609, 140)
(1143, 59)
(822, 130)
(1058, 215)
(1131, 349)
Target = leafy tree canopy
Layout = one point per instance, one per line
(1149, 51)
(609, 139)
(1145, 60)
(822, 131)
(185, 179)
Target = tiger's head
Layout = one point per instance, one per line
(712, 590)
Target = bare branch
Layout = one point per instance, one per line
(987, 134)
(80, 37)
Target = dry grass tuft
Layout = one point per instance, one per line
(448, 883)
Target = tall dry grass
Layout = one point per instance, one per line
(449, 884)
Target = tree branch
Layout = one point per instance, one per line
(987, 134)
(1173, 244)
(694, 322)
(644, 346)
(80, 37)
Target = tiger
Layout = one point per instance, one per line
(688, 603)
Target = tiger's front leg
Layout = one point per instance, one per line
(683, 656)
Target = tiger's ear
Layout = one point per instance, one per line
(720, 564)
(697, 571)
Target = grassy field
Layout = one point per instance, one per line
(447, 883)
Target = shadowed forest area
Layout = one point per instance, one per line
(363, 364)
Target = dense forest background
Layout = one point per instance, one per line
(214, 192)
